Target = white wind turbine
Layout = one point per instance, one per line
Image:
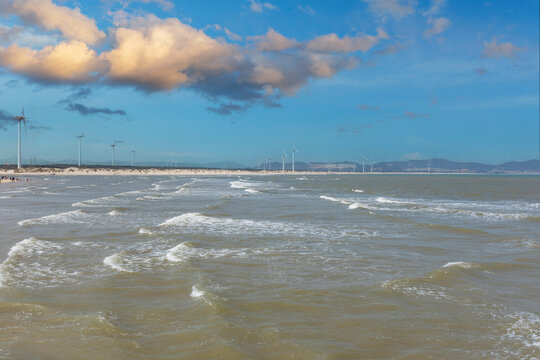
(429, 166)
(113, 146)
(20, 119)
(283, 158)
(132, 158)
(363, 164)
(80, 137)
(294, 150)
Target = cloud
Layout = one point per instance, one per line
(435, 7)
(164, 4)
(70, 62)
(260, 6)
(368, 107)
(232, 36)
(347, 44)
(7, 35)
(81, 93)
(153, 54)
(481, 71)
(226, 109)
(45, 14)
(39, 127)
(272, 41)
(160, 54)
(6, 119)
(507, 50)
(350, 129)
(413, 115)
(391, 49)
(439, 25)
(394, 8)
(84, 110)
(306, 9)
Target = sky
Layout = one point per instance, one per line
(246, 80)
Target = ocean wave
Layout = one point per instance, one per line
(114, 213)
(218, 225)
(185, 251)
(252, 191)
(98, 202)
(196, 292)
(69, 217)
(243, 184)
(358, 191)
(524, 328)
(24, 264)
(145, 231)
(117, 262)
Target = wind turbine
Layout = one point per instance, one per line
(132, 157)
(20, 119)
(113, 146)
(363, 164)
(371, 165)
(429, 166)
(80, 137)
(283, 157)
(294, 150)
(269, 163)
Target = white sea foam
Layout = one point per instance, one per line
(196, 292)
(186, 251)
(114, 213)
(99, 202)
(462, 264)
(28, 264)
(116, 262)
(358, 191)
(69, 217)
(243, 184)
(524, 328)
(145, 231)
(251, 191)
(197, 222)
(350, 203)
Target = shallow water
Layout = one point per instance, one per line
(270, 267)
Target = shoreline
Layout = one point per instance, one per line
(75, 171)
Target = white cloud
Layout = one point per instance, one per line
(346, 44)
(438, 26)
(261, 6)
(395, 8)
(43, 13)
(163, 54)
(306, 9)
(154, 54)
(495, 50)
(71, 62)
(435, 7)
(273, 41)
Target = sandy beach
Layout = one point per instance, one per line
(147, 171)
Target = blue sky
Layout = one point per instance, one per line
(242, 80)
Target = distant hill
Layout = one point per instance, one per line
(414, 166)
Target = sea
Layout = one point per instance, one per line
(298, 266)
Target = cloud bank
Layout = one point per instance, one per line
(154, 54)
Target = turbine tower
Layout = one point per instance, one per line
(429, 166)
(113, 146)
(283, 158)
(132, 158)
(363, 164)
(294, 150)
(20, 119)
(80, 137)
